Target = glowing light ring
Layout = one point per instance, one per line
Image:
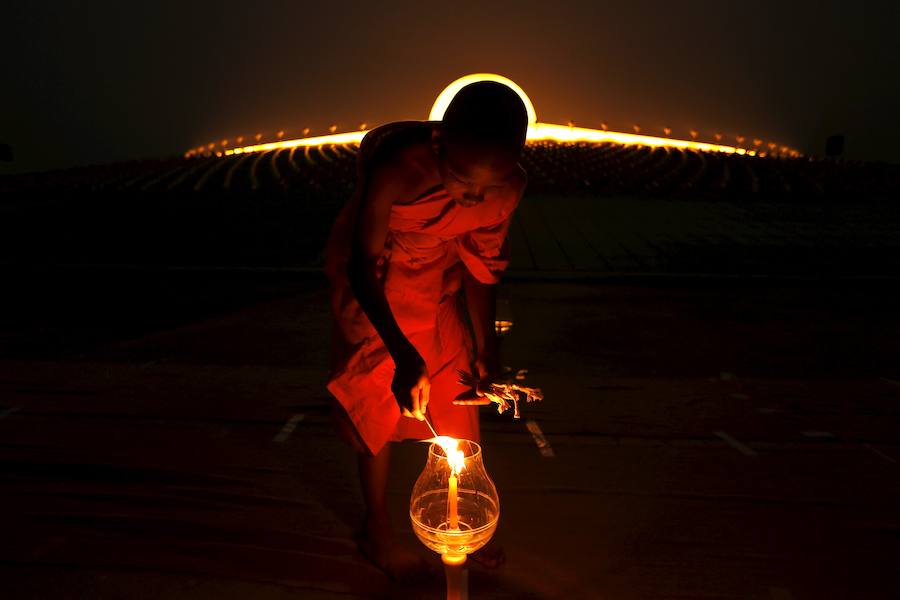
(564, 133)
(338, 138)
(444, 98)
(536, 131)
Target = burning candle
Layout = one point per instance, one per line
(456, 462)
(449, 528)
(451, 501)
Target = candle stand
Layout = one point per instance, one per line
(454, 507)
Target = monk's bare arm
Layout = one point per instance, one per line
(481, 301)
(384, 184)
(386, 181)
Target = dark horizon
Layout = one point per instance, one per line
(89, 87)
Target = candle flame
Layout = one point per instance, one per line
(455, 456)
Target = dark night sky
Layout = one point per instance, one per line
(101, 81)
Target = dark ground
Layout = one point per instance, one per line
(713, 438)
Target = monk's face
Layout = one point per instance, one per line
(472, 175)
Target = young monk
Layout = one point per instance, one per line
(413, 260)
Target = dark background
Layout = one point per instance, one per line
(101, 81)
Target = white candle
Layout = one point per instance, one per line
(451, 500)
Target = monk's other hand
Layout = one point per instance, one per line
(471, 398)
(487, 366)
(412, 387)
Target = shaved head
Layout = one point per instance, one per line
(484, 118)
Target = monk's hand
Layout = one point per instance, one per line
(487, 369)
(411, 387)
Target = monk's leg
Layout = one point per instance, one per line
(373, 474)
(376, 541)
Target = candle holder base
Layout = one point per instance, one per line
(457, 576)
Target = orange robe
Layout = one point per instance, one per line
(429, 243)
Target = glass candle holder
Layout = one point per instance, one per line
(454, 513)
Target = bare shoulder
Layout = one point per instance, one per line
(416, 161)
(400, 153)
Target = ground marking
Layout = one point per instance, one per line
(742, 448)
(543, 445)
(288, 428)
(779, 593)
(890, 459)
(8, 411)
(817, 434)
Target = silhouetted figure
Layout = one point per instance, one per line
(426, 225)
(834, 146)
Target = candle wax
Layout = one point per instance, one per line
(451, 500)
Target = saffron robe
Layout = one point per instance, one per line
(430, 242)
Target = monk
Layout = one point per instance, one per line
(413, 260)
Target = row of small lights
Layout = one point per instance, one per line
(773, 147)
(210, 148)
(759, 149)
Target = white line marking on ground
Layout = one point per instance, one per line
(743, 449)
(288, 429)
(543, 445)
(8, 411)
(779, 593)
(890, 459)
(817, 434)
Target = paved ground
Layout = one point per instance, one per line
(165, 436)
(555, 236)
(580, 235)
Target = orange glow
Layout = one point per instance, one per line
(502, 326)
(536, 131)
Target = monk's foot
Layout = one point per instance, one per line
(400, 563)
(489, 556)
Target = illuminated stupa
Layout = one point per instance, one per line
(537, 131)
